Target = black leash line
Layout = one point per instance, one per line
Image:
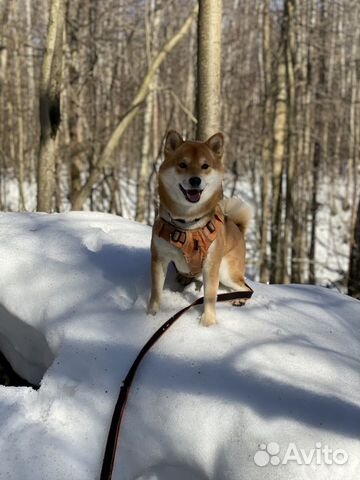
(113, 435)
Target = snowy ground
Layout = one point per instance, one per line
(281, 373)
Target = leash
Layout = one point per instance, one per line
(113, 435)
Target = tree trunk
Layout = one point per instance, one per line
(266, 143)
(315, 177)
(278, 156)
(20, 121)
(3, 101)
(209, 68)
(31, 83)
(50, 82)
(321, 129)
(305, 144)
(142, 187)
(142, 198)
(278, 162)
(290, 51)
(352, 171)
(354, 266)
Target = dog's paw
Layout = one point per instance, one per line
(208, 319)
(153, 308)
(240, 302)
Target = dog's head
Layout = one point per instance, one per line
(192, 172)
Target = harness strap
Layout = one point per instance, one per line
(194, 244)
(113, 435)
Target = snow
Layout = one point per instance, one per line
(283, 369)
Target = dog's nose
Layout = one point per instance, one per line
(195, 181)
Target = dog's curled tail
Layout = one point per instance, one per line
(238, 211)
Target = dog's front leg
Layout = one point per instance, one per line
(211, 284)
(158, 273)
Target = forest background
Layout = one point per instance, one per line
(124, 72)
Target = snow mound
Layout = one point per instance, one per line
(225, 402)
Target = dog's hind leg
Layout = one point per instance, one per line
(232, 275)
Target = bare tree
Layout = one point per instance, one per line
(20, 117)
(139, 98)
(278, 154)
(209, 68)
(266, 141)
(50, 82)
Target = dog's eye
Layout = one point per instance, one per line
(205, 166)
(182, 165)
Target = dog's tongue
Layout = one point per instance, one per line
(193, 195)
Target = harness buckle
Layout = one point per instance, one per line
(210, 226)
(178, 236)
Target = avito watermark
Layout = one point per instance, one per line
(269, 454)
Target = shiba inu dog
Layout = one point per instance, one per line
(202, 234)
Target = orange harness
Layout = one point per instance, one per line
(194, 244)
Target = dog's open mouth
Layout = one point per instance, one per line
(193, 195)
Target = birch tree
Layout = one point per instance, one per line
(278, 155)
(265, 174)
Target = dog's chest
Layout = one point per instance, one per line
(169, 253)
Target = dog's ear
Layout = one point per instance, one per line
(216, 144)
(173, 141)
